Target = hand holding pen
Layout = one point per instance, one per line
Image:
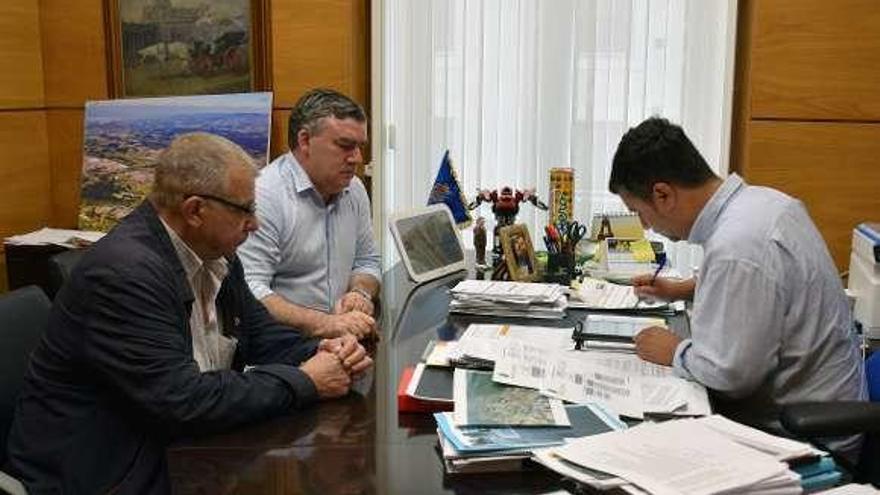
(650, 287)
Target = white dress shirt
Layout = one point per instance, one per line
(211, 349)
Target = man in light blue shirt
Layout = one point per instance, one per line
(313, 261)
(771, 324)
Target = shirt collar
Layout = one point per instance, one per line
(708, 217)
(302, 181)
(191, 261)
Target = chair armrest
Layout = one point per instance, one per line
(10, 485)
(824, 419)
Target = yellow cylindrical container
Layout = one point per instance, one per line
(561, 195)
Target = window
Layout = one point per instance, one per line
(515, 87)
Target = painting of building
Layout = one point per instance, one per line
(124, 137)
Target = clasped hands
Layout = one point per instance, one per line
(352, 315)
(338, 361)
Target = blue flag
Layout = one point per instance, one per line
(447, 190)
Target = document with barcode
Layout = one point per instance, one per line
(576, 380)
(623, 382)
(522, 364)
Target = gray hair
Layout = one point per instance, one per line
(317, 104)
(195, 163)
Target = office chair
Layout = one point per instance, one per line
(61, 267)
(817, 420)
(24, 316)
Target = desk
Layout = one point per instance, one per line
(358, 444)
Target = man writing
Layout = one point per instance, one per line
(313, 262)
(771, 324)
(151, 337)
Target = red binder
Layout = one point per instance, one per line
(409, 404)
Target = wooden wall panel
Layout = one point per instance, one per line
(278, 142)
(24, 172)
(73, 52)
(815, 59)
(320, 43)
(831, 167)
(65, 160)
(21, 62)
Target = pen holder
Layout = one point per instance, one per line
(560, 268)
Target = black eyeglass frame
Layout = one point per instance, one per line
(250, 209)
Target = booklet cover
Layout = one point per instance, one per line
(480, 401)
(586, 419)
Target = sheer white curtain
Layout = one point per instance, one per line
(515, 87)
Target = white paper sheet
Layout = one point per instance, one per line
(676, 457)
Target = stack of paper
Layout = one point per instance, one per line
(480, 344)
(783, 449)
(682, 457)
(469, 448)
(456, 461)
(58, 237)
(508, 299)
(597, 294)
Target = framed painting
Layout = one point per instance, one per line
(519, 255)
(186, 47)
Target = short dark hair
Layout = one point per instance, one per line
(317, 104)
(656, 151)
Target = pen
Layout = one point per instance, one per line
(653, 278)
(657, 271)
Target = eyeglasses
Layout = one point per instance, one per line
(248, 209)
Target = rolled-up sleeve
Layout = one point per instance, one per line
(260, 254)
(735, 330)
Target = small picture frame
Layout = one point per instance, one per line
(519, 255)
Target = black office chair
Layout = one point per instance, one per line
(813, 421)
(24, 315)
(61, 267)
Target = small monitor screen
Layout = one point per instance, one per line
(429, 242)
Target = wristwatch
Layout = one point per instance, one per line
(363, 292)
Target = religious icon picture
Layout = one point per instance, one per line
(519, 255)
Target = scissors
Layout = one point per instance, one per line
(576, 231)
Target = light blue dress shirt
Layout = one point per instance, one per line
(771, 324)
(305, 250)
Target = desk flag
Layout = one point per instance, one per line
(447, 190)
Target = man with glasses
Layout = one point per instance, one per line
(313, 261)
(158, 335)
